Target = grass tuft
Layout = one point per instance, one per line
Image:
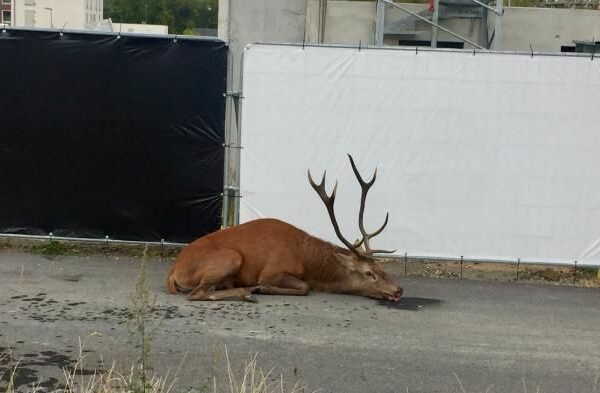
(53, 248)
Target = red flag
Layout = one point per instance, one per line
(431, 6)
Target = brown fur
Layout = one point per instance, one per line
(273, 257)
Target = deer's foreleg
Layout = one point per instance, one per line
(283, 284)
(244, 294)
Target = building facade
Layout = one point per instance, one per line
(68, 14)
(6, 12)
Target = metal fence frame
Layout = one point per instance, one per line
(416, 50)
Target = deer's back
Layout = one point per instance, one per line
(264, 244)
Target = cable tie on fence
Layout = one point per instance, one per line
(62, 29)
(531, 48)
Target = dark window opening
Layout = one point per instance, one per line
(440, 44)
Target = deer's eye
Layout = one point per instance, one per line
(370, 274)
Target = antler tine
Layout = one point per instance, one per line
(359, 177)
(382, 227)
(365, 187)
(329, 202)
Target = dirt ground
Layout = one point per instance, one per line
(557, 275)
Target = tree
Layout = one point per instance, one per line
(182, 16)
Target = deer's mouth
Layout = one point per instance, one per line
(393, 297)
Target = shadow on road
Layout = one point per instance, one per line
(411, 303)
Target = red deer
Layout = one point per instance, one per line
(269, 256)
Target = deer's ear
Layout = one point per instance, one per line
(346, 260)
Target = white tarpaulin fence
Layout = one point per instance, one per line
(487, 156)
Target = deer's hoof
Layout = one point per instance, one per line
(251, 299)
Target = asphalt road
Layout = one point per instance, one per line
(488, 334)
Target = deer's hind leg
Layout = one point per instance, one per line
(213, 276)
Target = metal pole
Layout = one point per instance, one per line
(435, 19)
(497, 44)
(380, 23)
(468, 41)
(497, 11)
(50, 9)
(238, 149)
(227, 140)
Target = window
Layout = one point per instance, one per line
(29, 2)
(6, 1)
(6, 17)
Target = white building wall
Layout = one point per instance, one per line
(70, 14)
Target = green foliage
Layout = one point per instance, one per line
(142, 305)
(51, 248)
(588, 270)
(523, 3)
(182, 16)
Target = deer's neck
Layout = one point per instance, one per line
(323, 271)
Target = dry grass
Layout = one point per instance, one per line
(251, 379)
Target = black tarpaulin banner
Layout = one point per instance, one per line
(102, 135)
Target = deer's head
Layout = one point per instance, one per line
(366, 276)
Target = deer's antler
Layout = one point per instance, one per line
(329, 202)
(365, 187)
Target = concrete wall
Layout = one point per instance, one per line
(547, 28)
(246, 21)
(349, 22)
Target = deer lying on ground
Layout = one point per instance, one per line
(269, 256)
